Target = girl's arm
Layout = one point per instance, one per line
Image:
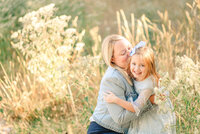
(135, 106)
(111, 98)
(142, 99)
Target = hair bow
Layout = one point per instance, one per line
(140, 44)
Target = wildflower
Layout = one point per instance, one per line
(65, 18)
(14, 35)
(71, 31)
(79, 46)
(64, 49)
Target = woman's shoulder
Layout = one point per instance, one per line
(111, 79)
(112, 73)
(114, 77)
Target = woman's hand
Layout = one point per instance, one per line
(109, 97)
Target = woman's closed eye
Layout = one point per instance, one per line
(123, 53)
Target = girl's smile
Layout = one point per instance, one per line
(138, 68)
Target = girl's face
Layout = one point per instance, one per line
(138, 68)
(121, 53)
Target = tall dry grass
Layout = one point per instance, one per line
(170, 39)
(54, 81)
(184, 93)
(54, 90)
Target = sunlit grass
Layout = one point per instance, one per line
(168, 39)
(52, 88)
(54, 81)
(171, 39)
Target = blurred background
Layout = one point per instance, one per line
(51, 64)
(91, 14)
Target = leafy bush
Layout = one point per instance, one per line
(184, 93)
(54, 79)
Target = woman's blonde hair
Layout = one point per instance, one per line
(108, 50)
(147, 55)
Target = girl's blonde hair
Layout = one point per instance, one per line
(147, 55)
(108, 50)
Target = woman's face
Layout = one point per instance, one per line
(121, 53)
(138, 68)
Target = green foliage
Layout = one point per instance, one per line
(12, 10)
(185, 94)
(1, 110)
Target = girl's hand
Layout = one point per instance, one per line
(161, 97)
(151, 98)
(109, 97)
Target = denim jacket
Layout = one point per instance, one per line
(110, 115)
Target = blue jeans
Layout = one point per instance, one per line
(95, 128)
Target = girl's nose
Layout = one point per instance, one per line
(136, 68)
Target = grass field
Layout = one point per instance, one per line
(51, 65)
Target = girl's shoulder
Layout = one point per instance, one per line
(148, 83)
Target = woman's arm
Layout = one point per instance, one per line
(116, 86)
(135, 106)
(111, 98)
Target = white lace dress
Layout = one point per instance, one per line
(152, 121)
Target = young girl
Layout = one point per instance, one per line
(145, 78)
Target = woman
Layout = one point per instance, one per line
(111, 118)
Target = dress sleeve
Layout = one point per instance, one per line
(141, 101)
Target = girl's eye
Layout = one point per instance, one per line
(142, 65)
